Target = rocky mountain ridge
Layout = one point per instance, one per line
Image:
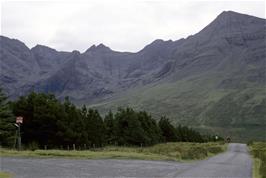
(190, 76)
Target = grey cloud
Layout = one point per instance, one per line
(121, 24)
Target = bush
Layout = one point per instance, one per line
(263, 164)
(214, 149)
(259, 151)
(195, 153)
(249, 143)
(33, 146)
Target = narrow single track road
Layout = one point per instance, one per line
(234, 163)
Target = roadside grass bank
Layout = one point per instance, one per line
(176, 151)
(258, 151)
(5, 175)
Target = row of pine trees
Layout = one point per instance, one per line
(49, 122)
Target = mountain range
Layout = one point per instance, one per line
(214, 80)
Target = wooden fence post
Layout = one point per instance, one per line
(74, 147)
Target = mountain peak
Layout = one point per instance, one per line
(232, 16)
(99, 48)
(75, 52)
(229, 13)
(39, 47)
(230, 23)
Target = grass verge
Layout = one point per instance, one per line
(166, 151)
(256, 168)
(258, 151)
(5, 175)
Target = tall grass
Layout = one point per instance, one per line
(258, 150)
(178, 151)
(165, 151)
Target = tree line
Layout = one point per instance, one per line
(47, 121)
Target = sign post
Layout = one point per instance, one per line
(19, 120)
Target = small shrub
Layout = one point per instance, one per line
(250, 142)
(259, 151)
(195, 153)
(263, 165)
(33, 146)
(214, 149)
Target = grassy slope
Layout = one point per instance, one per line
(198, 102)
(167, 151)
(258, 150)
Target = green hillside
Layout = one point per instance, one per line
(198, 102)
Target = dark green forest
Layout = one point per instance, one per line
(54, 124)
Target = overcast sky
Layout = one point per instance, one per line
(123, 25)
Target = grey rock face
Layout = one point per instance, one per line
(233, 45)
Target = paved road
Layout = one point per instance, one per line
(235, 163)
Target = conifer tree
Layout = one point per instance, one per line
(7, 120)
(169, 133)
(110, 128)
